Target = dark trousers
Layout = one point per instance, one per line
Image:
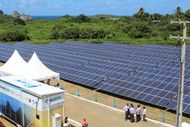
(144, 117)
(132, 117)
(138, 117)
(126, 115)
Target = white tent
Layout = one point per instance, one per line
(34, 69)
(184, 124)
(38, 71)
(14, 65)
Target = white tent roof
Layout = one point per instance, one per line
(14, 64)
(184, 124)
(34, 69)
(38, 71)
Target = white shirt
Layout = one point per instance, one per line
(138, 110)
(132, 110)
(144, 111)
(126, 108)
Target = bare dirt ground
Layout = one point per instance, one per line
(1, 64)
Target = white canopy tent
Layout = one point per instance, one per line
(14, 64)
(34, 69)
(38, 71)
(184, 124)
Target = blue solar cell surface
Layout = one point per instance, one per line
(147, 73)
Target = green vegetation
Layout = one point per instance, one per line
(13, 36)
(141, 28)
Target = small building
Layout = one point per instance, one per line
(28, 102)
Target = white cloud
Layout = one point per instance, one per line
(56, 5)
(30, 3)
(53, 6)
(22, 3)
(1, 5)
(33, 3)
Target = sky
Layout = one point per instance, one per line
(91, 7)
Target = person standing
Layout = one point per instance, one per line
(66, 122)
(126, 109)
(132, 113)
(138, 113)
(84, 123)
(144, 113)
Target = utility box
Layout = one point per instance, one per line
(56, 120)
(29, 102)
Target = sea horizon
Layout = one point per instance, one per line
(46, 17)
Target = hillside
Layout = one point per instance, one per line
(141, 28)
(5, 18)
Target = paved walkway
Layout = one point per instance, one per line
(98, 116)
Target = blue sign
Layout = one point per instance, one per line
(27, 84)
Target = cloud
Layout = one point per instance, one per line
(34, 3)
(30, 3)
(56, 5)
(53, 6)
(1, 5)
(22, 3)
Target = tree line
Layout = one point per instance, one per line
(100, 27)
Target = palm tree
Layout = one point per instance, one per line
(178, 11)
(141, 11)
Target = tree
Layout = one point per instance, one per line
(140, 30)
(156, 16)
(67, 18)
(13, 35)
(58, 31)
(18, 21)
(187, 14)
(81, 18)
(141, 12)
(178, 12)
(142, 15)
(1, 12)
(54, 34)
(71, 33)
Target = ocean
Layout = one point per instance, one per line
(45, 17)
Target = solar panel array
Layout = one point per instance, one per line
(147, 73)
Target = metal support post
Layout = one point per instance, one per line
(114, 103)
(182, 73)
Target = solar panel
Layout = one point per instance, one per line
(147, 73)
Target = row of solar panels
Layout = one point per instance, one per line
(148, 73)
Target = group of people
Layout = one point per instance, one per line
(66, 123)
(130, 113)
(133, 115)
